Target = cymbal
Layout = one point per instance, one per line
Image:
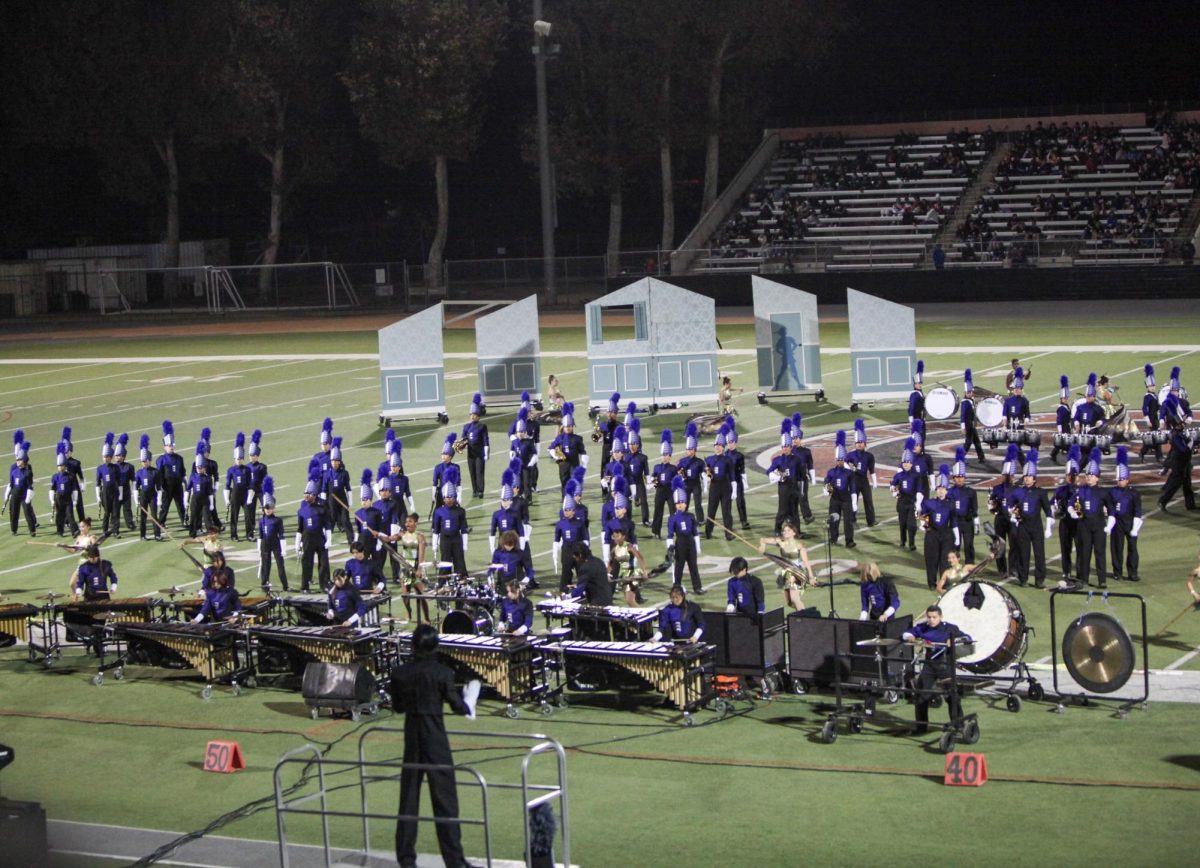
(878, 642)
(52, 596)
(1098, 652)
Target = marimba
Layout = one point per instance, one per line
(289, 649)
(210, 649)
(257, 609)
(308, 610)
(14, 623)
(117, 609)
(616, 623)
(681, 673)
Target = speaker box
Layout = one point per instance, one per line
(337, 685)
(743, 646)
(817, 645)
(23, 834)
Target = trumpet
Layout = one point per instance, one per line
(1014, 513)
(558, 454)
(924, 519)
(460, 444)
(828, 489)
(597, 434)
(1079, 506)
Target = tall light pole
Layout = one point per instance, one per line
(541, 30)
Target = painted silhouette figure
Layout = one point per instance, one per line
(785, 347)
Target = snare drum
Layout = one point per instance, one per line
(941, 402)
(990, 412)
(1156, 438)
(1063, 441)
(992, 436)
(469, 621)
(991, 616)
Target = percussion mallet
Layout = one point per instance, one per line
(1190, 607)
(390, 550)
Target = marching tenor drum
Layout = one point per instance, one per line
(990, 412)
(991, 616)
(941, 402)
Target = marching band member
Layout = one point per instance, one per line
(616, 462)
(662, 479)
(738, 459)
(691, 470)
(335, 492)
(258, 472)
(1031, 504)
(146, 480)
(966, 417)
(125, 472)
(1125, 520)
(1017, 373)
(94, 579)
(64, 489)
(941, 527)
(719, 471)
(1068, 526)
(346, 607)
(18, 492)
(863, 463)
(217, 568)
(479, 446)
(998, 506)
(364, 577)
(172, 477)
(1179, 460)
(214, 473)
(906, 488)
(936, 635)
(880, 601)
(202, 502)
(506, 518)
(744, 592)
(1088, 415)
(592, 585)
(524, 463)
(512, 563)
(638, 469)
(75, 468)
(1150, 410)
(1175, 389)
(790, 549)
(402, 492)
(570, 532)
(916, 398)
(965, 502)
(841, 490)
(450, 529)
(805, 470)
(783, 472)
(272, 539)
(389, 446)
(615, 514)
(1016, 405)
(236, 492)
(320, 461)
(392, 517)
(520, 502)
(313, 535)
(444, 472)
(1062, 415)
(569, 446)
(683, 536)
(921, 463)
(1091, 508)
(680, 619)
(516, 612)
(370, 522)
(220, 602)
(108, 491)
(608, 428)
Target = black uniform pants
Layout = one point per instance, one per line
(172, 492)
(740, 499)
(927, 688)
(1146, 447)
(662, 503)
(425, 742)
(1120, 562)
(110, 511)
(966, 533)
(145, 510)
(568, 568)
(451, 549)
(16, 506)
(694, 500)
(64, 514)
(565, 469)
(339, 519)
(127, 506)
(868, 501)
(1030, 537)
(1068, 533)
(237, 505)
(1091, 544)
(841, 511)
(475, 467)
(802, 499)
(971, 441)
(685, 555)
(788, 504)
(939, 542)
(1003, 528)
(314, 547)
(720, 494)
(642, 498)
(906, 512)
(200, 516)
(266, 555)
(1179, 478)
(252, 515)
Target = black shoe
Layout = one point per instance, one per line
(851, 545)
(1162, 506)
(746, 526)
(1103, 586)
(142, 537)
(699, 591)
(1135, 578)
(912, 547)
(1039, 585)
(234, 539)
(1022, 582)
(729, 538)
(1116, 577)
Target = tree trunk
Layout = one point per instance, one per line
(433, 267)
(664, 163)
(613, 254)
(171, 257)
(275, 224)
(712, 145)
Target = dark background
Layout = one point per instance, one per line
(894, 61)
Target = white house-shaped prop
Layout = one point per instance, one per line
(787, 336)
(508, 352)
(883, 347)
(412, 373)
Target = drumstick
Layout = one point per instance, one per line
(391, 551)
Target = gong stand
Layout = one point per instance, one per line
(1098, 651)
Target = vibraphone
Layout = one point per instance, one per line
(308, 610)
(682, 673)
(283, 649)
(513, 666)
(258, 609)
(88, 622)
(602, 623)
(14, 623)
(218, 652)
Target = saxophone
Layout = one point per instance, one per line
(597, 434)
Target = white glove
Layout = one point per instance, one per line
(197, 619)
(329, 614)
(225, 495)
(874, 481)
(528, 528)
(604, 483)
(862, 616)
(1137, 526)
(79, 592)
(436, 539)
(97, 495)
(328, 538)
(729, 609)
(1049, 527)
(605, 550)
(657, 637)
(50, 493)
(920, 499)
(212, 503)
(1110, 524)
(1071, 512)
(380, 588)
(775, 476)
(697, 539)
(887, 613)
(249, 496)
(583, 461)
(487, 452)
(812, 477)
(957, 538)
(823, 493)
(521, 631)
(745, 484)
(470, 697)
(533, 460)
(555, 555)
(409, 504)
(465, 542)
(29, 496)
(299, 541)
(492, 542)
(857, 502)
(976, 525)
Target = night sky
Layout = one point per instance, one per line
(896, 61)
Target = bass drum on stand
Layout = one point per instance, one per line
(469, 621)
(992, 617)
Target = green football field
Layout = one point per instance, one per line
(1072, 788)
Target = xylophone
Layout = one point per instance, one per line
(299, 646)
(14, 623)
(257, 608)
(210, 649)
(602, 622)
(680, 672)
(308, 610)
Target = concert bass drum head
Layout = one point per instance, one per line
(941, 402)
(990, 412)
(991, 616)
(468, 621)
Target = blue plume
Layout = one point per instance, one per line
(109, 438)
(635, 425)
(578, 474)
(168, 428)
(1175, 373)
(66, 434)
(200, 447)
(677, 484)
(944, 469)
(205, 434)
(390, 436)
(327, 425)
(568, 408)
(144, 443)
(515, 467)
(691, 430)
(366, 476)
(240, 440)
(1149, 369)
(920, 366)
(910, 444)
(1010, 454)
(477, 398)
(1092, 378)
(525, 398)
(666, 435)
(256, 437)
(19, 437)
(960, 454)
(59, 448)
(450, 438)
(731, 423)
(1064, 382)
(631, 407)
(268, 485)
(839, 439)
(785, 427)
(860, 425)
(1074, 453)
(123, 439)
(507, 478)
(619, 485)
(337, 442)
(797, 420)
(314, 475)
(967, 374)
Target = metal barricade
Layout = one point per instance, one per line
(532, 795)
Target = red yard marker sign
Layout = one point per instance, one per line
(965, 769)
(223, 756)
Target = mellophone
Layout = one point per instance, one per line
(680, 672)
(210, 649)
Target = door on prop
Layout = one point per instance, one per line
(787, 352)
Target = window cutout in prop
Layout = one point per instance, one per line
(619, 322)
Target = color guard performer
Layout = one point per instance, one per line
(790, 549)
(862, 462)
(411, 544)
(1125, 521)
(967, 419)
(479, 447)
(626, 566)
(957, 571)
(1017, 373)
(680, 619)
(841, 490)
